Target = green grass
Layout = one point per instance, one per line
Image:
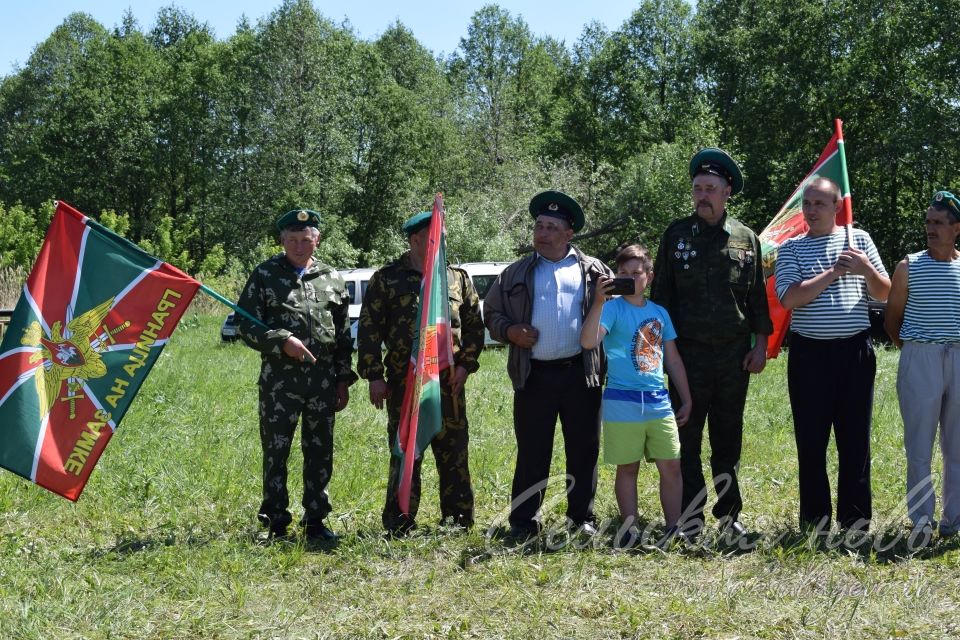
(163, 542)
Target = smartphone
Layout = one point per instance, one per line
(622, 287)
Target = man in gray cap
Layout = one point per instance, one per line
(537, 306)
(709, 277)
(305, 351)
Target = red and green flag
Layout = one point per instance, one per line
(789, 223)
(95, 313)
(420, 414)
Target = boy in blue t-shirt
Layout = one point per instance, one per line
(638, 421)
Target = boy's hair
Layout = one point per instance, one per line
(635, 252)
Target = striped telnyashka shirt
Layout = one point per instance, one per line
(932, 313)
(840, 310)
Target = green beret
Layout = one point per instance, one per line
(417, 222)
(300, 218)
(557, 204)
(717, 162)
(948, 201)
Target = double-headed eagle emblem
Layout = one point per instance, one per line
(69, 354)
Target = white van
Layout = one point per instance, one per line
(356, 281)
(483, 275)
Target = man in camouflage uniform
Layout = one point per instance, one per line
(709, 277)
(388, 317)
(305, 369)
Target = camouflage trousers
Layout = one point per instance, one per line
(718, 385)
(450, 453)
(289, 392)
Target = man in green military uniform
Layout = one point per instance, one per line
(388, 317)
(709, 277)
(305, 371)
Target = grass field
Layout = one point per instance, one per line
(163, 542)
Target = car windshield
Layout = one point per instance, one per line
(482, 284)
(351, 291)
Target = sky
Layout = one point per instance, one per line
(437, 25)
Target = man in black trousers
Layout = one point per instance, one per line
(537, 306)
(824, 277)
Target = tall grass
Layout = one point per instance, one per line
(11, 285)
(163, 542)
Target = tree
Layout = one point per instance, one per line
(406, 145)
(303, 112)
(507, 80)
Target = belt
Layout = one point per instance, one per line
(559, 362)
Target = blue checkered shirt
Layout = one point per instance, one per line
(557, 307)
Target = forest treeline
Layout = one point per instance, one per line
(191, 146)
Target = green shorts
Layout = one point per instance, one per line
(629, 442)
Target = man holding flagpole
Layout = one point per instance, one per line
(388, 318)
(824, 278)
(303, 336)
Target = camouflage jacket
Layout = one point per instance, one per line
(389, 315)
(312, 307)
(710, 280)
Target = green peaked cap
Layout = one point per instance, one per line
(300, 217)
(557, 204)
(717, 162)
(417, 222)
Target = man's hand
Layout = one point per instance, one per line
(854, 261)
(756, 358)
(295, 349)
(523, 335)
(343, 396)
(683, 414)
(459, 379)
(379, 392)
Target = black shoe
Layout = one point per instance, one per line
(522, 533)
(627, 540)
(733, 529)
(692, 528)
(454, 524)
(319, 532)
(401, 528)
(921, 536)
(674, 536)
(274, 534)
(585, 529)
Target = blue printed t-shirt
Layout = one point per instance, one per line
(634, 344)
